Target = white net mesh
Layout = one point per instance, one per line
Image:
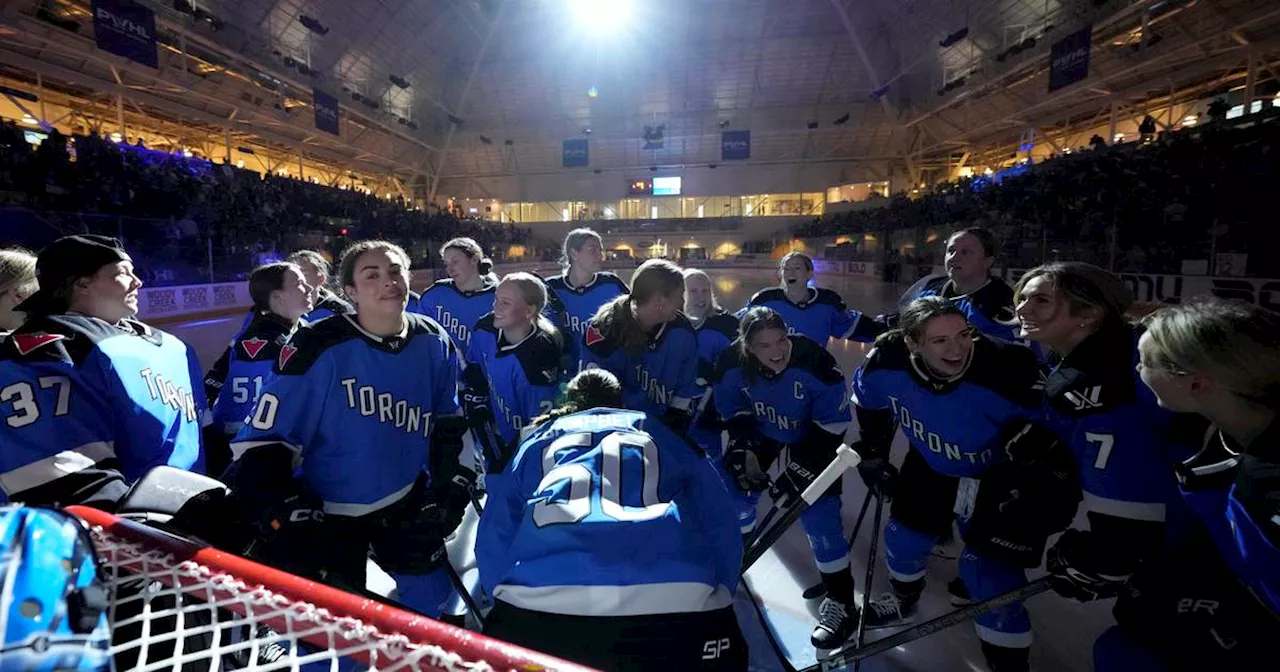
(176, 606)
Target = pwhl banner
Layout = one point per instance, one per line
(126, 29)
(575, 153)
(1069, 59)
(735, 145)
(326, 111)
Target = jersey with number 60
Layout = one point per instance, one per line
(87, 407)
(609, 513)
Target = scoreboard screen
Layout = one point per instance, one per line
(643, 187)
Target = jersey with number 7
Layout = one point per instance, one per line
(609, 513)
(87, 407)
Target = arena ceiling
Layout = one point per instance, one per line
(495, 86)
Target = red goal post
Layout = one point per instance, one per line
(333, 623)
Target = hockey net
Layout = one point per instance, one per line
(180, 606)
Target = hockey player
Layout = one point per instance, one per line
(17, 282)
(576, 294)
(818, 313)
(91, 398)
(967, 405)
(281, 296)
(459, 301)
(985, 300)
(315, 271)
(1125, 445)
(365, 407)
(779, 392)
(513, 367)
(610, 541)
(716, 330)
(644, 340)
(1213, 602)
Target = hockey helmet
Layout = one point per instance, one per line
(53, 600)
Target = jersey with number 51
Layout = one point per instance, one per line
(235, 381)
(608, 513)
(88, 407)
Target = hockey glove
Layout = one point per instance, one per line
(299, 513)
(1027, 442)
(879, 475)
(447, 503)
(791, 482)
(742, 461)
(1073, 563)
(677, 420)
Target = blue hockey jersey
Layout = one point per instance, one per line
(457, 311)
(955, 425)
(715, 333)
(572, 307)
(1235, 493)
(523, 378)
(824, 315)
(609, 513)
(785, 406)
(356, 410)
(89, 407)
(989, 308)
(662, 377)
(242, 370)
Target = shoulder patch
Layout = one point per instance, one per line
(1008, 369)
(287, 351)
(889, 355)
(765, 295)
(308, 343)
(613, 278)
(253, 346)
(485, 323)
(829, 297)
(593, 335)
(730, 358)
(27, 343)
(539, 357)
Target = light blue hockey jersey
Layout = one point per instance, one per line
(457, 311)
(663, 376)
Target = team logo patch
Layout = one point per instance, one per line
(253, 346)
(286, 353)
(26, 343)
(593, 336)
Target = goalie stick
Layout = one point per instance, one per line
(846, 458)
(844, 656)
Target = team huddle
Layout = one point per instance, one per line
(616, 440)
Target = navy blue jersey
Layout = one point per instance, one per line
(955, 424)
(824, 315)
(242, 370)
(715, 333)
(663, 376)
(989, 308)
(1235, 493)
(609, 513)
(457, 311)
(786, 407)
(570, 308)
(356, 410)
(89, 407)
(523, 378)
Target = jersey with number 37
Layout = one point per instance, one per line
(88, 407)
(609, 513)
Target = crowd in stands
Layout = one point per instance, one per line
(179, 208)
(1164, 199)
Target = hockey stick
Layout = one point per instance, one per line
(871, 575)
(461, 589)
(818, 590)
(843, 657)
(846, 458)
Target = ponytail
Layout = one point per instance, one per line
(655, 277)
(592, 388)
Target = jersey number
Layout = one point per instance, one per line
(573, 506)
(1104, 441)
(241, 393)
(264, 416)
(23, 398)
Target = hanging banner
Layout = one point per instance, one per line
(575, 153)
(735, 145)
(1069, 59)
(127, 30)
(326, 111)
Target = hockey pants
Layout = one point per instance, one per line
(921, 513)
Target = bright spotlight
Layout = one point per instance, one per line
(601, 14)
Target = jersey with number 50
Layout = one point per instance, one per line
(87, 407)
(609, 513)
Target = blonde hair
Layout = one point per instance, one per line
(715, 303)
(1087, 288)
(18, 271)
(1236, 343)
(573, 241)
(655, 277)
(534, 293)
(347, 265)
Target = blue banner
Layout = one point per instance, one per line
(735, 145)
(126, 29)
(575, 153)
(326, 111)
(1069, 59)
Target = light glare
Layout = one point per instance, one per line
(601, 14)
